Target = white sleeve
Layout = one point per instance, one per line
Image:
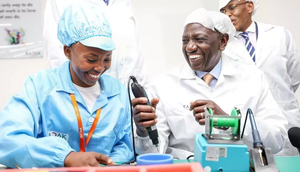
(53, 49)
(293, 60)
(144, 144)
(270, 122)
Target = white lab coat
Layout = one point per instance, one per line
(240, 85)
(278, 58)
(126, 58)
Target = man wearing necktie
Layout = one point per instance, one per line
(212, 77)
(274, 52)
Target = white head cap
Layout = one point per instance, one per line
(218, 21)
(223, 3)
(200, 16)
(212, 20)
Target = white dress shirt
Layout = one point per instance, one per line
(214, 72)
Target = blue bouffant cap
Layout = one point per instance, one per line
(86, 24)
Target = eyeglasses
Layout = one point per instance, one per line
(231, 7)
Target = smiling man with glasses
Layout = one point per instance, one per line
(238, 12)
(274, 52)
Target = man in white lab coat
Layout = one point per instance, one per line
(126, 58)
(211, 77)
(274, 53)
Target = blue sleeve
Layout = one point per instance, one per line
(122, 150)
(21, 124)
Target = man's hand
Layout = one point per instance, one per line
(198, 107)
(144, 115)
(87, 159)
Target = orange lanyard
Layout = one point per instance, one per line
(80, 128)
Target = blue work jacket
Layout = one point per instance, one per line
(39, 128)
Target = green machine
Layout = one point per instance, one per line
(222, 122)
(221, 150)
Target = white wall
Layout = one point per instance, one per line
(14, 72)
(160, 24)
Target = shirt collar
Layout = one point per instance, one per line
(250, 29)
(227, 68)
(67, 85)
(215, 72)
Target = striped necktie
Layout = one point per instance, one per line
(106, 1)
(250, 48)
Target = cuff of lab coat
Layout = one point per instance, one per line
(63, 155)
(144, 145)
(142, 138)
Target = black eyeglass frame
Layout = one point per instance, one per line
(232, 7)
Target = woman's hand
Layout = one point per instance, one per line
(87, 159)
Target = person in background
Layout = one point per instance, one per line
(73, 115)
(127, 58)
(212, 77)
(274, 52)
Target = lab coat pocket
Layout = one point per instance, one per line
(182, 123)
(271, 60)
(177, 125)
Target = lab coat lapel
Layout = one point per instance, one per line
(227, 69)
(107, 91)
(262, 44)
(66, 85)
(188, 74)
(101, 101)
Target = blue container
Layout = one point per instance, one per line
(154, 159)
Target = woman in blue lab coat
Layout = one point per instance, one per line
(73, 115)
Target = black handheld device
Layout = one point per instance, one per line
(294, 136)
(139, 91)
(257, 142)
